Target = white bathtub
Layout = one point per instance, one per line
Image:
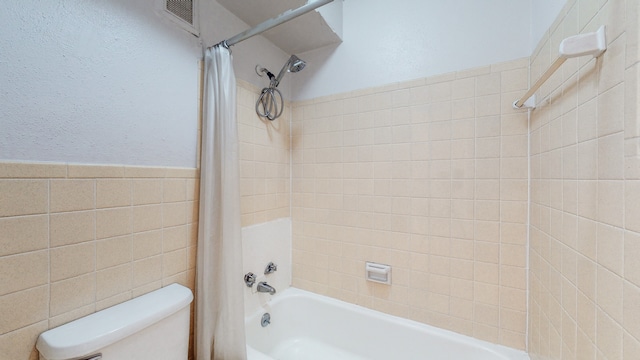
(307, 326)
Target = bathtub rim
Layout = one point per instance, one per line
(293, 292)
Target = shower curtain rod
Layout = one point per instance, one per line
(271, 23)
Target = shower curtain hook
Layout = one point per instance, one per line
(224, 44)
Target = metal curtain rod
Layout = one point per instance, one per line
(271, 23)
(579, 45)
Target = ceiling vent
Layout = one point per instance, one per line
(183, 13)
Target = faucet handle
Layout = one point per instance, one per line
(249, 279)
(271, 267)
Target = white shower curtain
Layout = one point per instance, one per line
(220, 331)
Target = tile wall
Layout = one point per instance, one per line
(264, 160)
(429, 176)
(585, 190)
(75, 239)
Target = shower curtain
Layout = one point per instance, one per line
(219, 317)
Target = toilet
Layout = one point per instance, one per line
(154, 326)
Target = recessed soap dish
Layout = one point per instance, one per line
(379, 273)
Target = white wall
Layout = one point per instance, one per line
(109, 81)
(543, 13)
(392, 41)
(96, 82)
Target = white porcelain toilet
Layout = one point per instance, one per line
(154, 326)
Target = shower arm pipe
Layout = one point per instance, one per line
(271, 23)
(594, 44)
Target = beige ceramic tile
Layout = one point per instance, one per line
(513, 298)
(587, 277)
(510, 65)
(113, 193)
(147, 191)
(485, 332)
(27, 307)
(193, 210)
(174, 190)
(488, 84)
(613, 73)
(23, 234)
(147, 271)
(513, 255)
(73, 260)
(180, 278)
(486, 293)
(147, 288)
(513, 340)
(114, 300)
(72, 293)
(611, 202)
(192, 253)
(25, 170)
(147, 218)
(72, 315)
(113, 251)
(72, 195)
(192, 234)
(113, 281)
(23, 197)
(632, 205)
(95, 171)
(611, 111)
(113, 222)
(631, 347)
(473, 72)
(514, 80)
(610, 247)
(609, 336)
(631, 252)
(631, 313)
(609, 288)
(611, 157)
(174, 262)
(23, 271)
(147, 244)
(631, 126)
(174, 214)
(144, 172)
(193, 189)
(20, 344)
(189, 173)
(72, 228)
(174, 238)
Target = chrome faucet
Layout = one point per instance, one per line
(271, 268)
(266, 288)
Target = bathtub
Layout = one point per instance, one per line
(307, 326)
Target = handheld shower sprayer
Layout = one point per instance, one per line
(270, 103)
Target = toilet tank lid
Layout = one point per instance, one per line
(103, 328)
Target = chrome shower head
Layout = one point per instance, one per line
(294, 64)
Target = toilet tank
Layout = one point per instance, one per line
(154, 326)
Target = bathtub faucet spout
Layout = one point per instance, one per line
(266, 288)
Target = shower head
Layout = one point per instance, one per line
(294, 64)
